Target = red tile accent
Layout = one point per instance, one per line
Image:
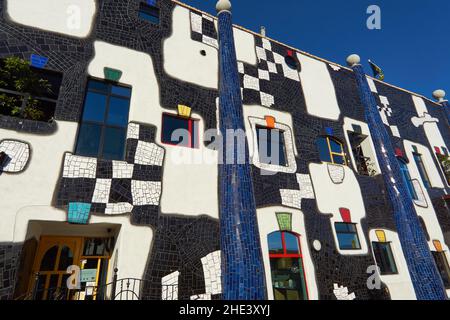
(398, 152)
(345, 214)
(438, 150)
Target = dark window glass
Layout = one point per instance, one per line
(291, 62)
(113, 143)
(324, 151)
(347, 236)
(384, 258)
(291, 242)
(49, 260)
(149, 13)
(94, 107)
(89, 140)
(443, 267)
(271, 146)
(105, 118)
(179, 131)
(407, 179)
(65, 258)
(422, 170)
(275, 243)
(330, 150)
(118, 111)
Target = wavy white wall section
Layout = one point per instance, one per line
(71, 17)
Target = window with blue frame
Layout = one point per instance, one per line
(179, 131)
(347, 236)
(149, 12)
(104, 122)
(422, 171)
(407, 178)
(271, 146)
(331, 150)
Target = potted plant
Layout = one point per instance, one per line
(19, 86)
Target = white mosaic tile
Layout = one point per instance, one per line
(145, 192)
(133, 131)
(341, 293)
(251, 82)
(336, 173)
(267, 100)
(79, 167)
(18, 155)
(170, 286)
(148, 153)
(118, 208)
(122, 170)
(101, 191)
(212, 271)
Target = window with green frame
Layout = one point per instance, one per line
(331, 150)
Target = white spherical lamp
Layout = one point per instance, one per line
(223, 5)
(439, 95)
(353, 60)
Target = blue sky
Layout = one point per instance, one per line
(412, 47)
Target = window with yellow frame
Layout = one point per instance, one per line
(331, 150)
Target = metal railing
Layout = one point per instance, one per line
(118, 289)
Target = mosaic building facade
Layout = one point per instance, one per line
(113, 119)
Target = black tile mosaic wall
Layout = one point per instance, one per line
(180, 242)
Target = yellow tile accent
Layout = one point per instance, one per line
(438, 245)
(381, 235)
(184, 111)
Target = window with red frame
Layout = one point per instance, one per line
(286, 264)
(179, 131)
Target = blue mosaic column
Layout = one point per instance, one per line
(426, 279)
(242, 265)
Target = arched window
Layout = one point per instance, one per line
(407, 178)
(331, 150)
(286, 264)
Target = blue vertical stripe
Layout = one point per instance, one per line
(242, 265)
(426, 279)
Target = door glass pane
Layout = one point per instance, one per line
(118, 111)
(88, 140)
(275, 243)
(291, 242)
(49, 260)
(40, 286)
(348, 241)
(52, 292)
(114, 143)
(94, 107)
(65, 258)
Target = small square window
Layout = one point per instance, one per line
(271, 146)
(347, 236)
(149, 13)
(179, 131)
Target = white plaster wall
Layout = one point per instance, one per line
(189, 185)
(330, 197)
(348, 122)
(267, 223)
(36, 185)
(245, 46)
(132, 245)
(181, 54)
(431, 129)
(400, 285)
(318, 88)
(70, 17)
